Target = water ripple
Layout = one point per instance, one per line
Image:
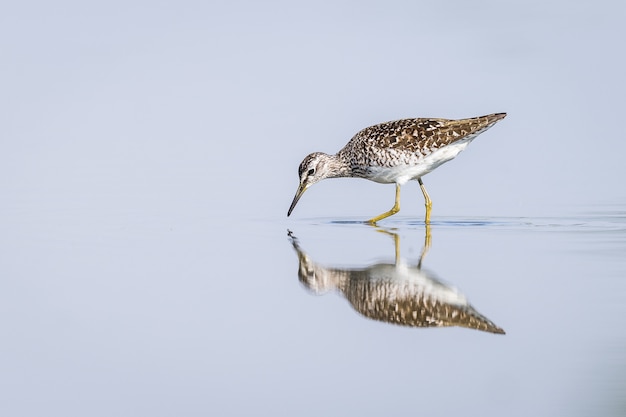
(589, 222)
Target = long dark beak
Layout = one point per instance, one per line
(301, 189)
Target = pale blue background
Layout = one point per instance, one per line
(149, 153)
(216, 103)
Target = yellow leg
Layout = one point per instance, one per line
(428, 202)
(394, 209)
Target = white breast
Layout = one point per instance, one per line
(400, 174)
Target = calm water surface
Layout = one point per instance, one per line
(131, 317)
(149, 153)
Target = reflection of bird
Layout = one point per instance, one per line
(395, 152)
(394, 293)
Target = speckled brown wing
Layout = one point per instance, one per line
(424, 135)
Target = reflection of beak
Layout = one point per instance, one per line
(301, 189)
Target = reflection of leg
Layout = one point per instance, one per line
(394, 209)
(396, 240)
(428, 201)
(396, 243)
(427, 244)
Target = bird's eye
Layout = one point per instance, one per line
(311, 171)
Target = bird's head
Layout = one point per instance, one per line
(314, 168)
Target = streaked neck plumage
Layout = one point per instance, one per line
(333, 166)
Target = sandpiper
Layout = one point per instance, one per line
(395, 152)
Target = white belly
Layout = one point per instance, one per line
(400, 174)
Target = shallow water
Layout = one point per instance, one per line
(149, 156)
(216, 319)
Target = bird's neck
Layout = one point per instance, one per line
(338, 167)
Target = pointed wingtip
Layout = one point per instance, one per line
(498, 330)
(491, 119)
